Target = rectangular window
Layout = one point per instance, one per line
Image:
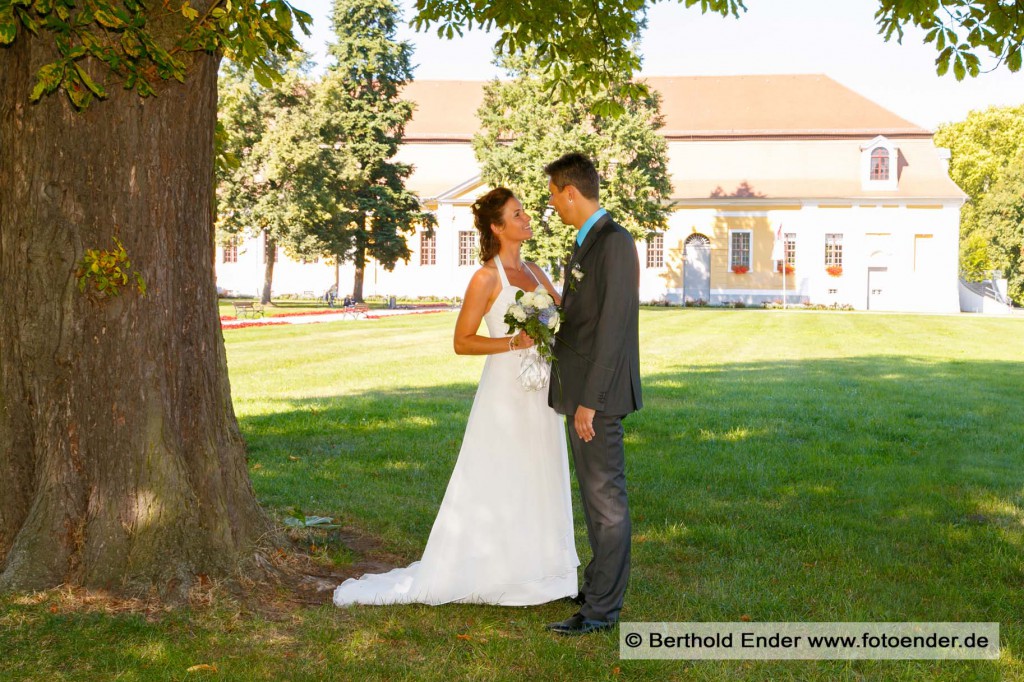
(789, 242)
(879, 164)
(656, 251)
(467, 247)
(739, 250)
(428, 249)
(231, 250)
(833, 249)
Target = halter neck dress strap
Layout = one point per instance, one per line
(526, 266)
(501, 272)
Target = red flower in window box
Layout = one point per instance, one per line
(789, 268)
(740, 269)
(834, 270)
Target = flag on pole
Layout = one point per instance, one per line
(779, 247)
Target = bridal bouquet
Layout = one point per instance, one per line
(537, 315)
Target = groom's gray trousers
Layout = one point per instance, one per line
(601, 472)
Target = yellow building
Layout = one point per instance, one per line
(767, 172)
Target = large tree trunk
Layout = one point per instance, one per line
(270, 258)
(121, 462)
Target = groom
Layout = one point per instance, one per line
(597, 382)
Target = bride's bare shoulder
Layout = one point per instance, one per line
(486, 276)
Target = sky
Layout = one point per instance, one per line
(837, 38)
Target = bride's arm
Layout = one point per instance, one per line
(479, 297)
(542, 277)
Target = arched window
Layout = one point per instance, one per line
(879, 163)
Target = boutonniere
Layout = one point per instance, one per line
(576, 276)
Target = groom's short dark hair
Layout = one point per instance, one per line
(577, 170)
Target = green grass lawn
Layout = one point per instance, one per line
(787, 466)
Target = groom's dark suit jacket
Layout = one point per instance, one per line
(597, 349)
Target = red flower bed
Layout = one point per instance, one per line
(740, 269)
(789, 268)
(834, 270)
(301, 313)
(254, 323)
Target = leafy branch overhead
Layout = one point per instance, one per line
(588, 47)
(582, 46)
(960, 30)
(142, 42)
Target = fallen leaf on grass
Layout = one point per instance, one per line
(745, 618)
(465, 637)
(202, 667)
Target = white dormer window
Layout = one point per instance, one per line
(879, 169)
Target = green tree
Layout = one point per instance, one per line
(987, 151)
(523, 129)
(367, 119)
(1001, 212)
(259, 194)
(353, 126)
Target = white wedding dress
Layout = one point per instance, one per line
(504, 532)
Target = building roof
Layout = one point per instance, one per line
(772, 106)
(695, 107)
(445, 110)
(785, 137)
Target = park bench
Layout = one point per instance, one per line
(354, 311)
(248, 309)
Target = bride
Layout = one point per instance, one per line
(504, 532)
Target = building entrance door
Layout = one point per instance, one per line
(697, 268)
(878, 289)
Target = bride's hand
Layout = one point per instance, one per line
(522, 341)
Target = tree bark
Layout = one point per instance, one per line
(269, 255)
(121, 462)
(357, 285)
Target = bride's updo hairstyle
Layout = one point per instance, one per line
(487, 211)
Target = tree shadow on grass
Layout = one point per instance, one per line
(869, 488)
(847, 478)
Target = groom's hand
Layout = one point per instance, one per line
(584, 423)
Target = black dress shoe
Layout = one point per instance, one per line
(578, 600)
(579, 625)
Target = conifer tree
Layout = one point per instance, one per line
(359, 118)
